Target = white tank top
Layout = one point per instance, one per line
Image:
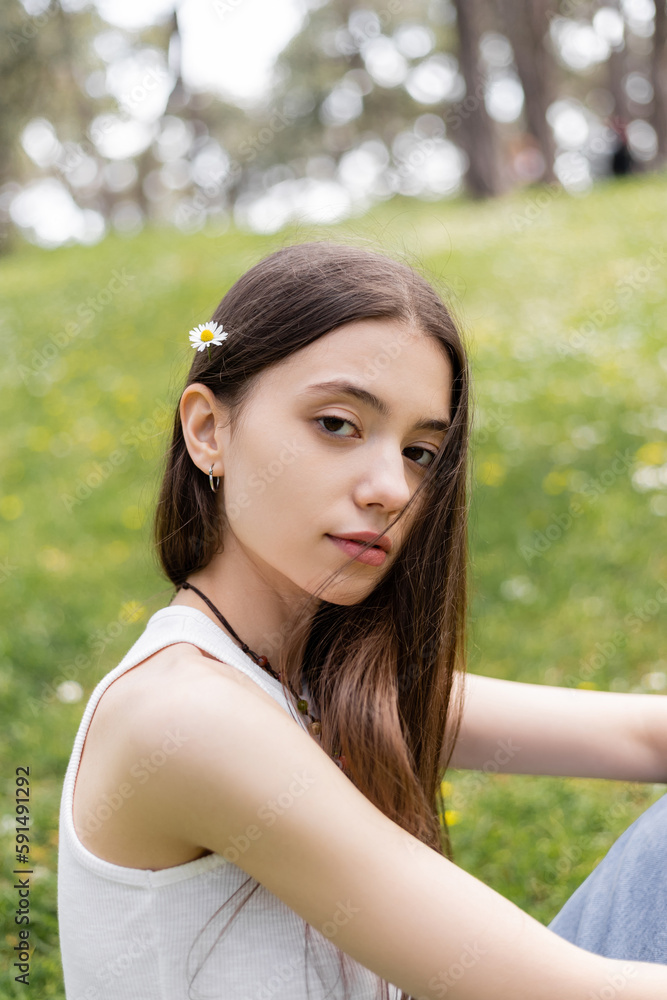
(128, 932)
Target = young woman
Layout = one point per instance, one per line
(255, 811)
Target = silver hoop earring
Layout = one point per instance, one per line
(210, 479)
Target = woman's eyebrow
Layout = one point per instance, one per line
(341, 387)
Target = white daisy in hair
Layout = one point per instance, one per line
(206, 334)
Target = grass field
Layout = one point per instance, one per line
(564, 305)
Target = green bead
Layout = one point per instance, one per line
(302, 705)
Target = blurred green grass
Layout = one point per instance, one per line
(563, 301)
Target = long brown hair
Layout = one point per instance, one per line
(380, 672)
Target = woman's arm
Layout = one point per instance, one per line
(250, 784)
(521, 728)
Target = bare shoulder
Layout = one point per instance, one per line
(162, 681)
(142, 712)
(139, 726)
(226, 746)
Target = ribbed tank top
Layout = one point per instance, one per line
(135, 933)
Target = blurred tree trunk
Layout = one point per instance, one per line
(42, 59)
(477, 131)
(22, 67)
(658, 71)
(526, 23)
(617, 68)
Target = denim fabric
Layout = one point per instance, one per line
(620, 910)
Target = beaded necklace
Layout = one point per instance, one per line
(314, 726)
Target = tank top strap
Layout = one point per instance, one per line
(179, 623)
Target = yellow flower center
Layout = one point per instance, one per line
(206, 335)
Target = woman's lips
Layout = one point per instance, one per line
(372, 556)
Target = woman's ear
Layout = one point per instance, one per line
(203, 421)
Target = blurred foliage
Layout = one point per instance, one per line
(344, 84)
(563, 301)
(326, 57)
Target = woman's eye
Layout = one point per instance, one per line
(337, 420)
(424, 451)
(344, 420)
